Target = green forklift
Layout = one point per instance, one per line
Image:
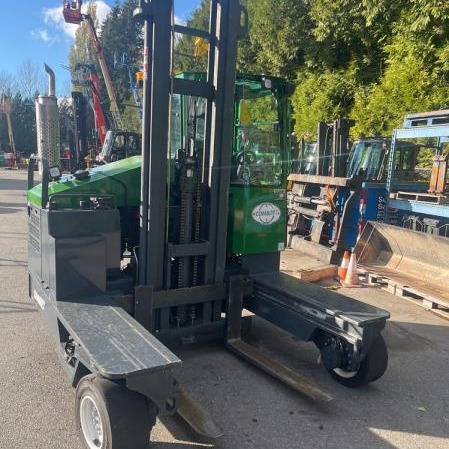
(130, 259)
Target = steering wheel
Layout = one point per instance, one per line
(246, 157)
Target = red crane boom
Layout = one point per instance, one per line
(72, 14)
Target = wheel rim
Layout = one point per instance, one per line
(345, 374)
(91, 423)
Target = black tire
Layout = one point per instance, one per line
(124, 417)
(372, 367)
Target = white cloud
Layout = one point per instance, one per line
(180, 21)
(40, 34)
(53, 17)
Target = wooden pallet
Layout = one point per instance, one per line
(423, 197)
(433, 304)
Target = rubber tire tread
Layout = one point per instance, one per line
(372, 367)
(127, 416)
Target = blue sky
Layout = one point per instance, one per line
(35, 31)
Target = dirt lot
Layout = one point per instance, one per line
(408, 408)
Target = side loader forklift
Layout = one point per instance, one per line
(131, 258)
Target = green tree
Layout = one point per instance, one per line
(184, 57)
(121, 38)
(23, 118)
(279, 37)
(65, 120)
(321, 97)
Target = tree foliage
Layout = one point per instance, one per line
(23, 120)
(122, 42)
(185, 58)
(373, 60)
(31, 79)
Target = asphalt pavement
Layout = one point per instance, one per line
(408, 408)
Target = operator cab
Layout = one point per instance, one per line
(119, 145)
(259, 162)
(368, 158)
(258, 153)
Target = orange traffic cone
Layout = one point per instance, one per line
(352, 278)
(343, 269)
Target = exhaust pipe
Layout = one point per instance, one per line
(47, 124)
(51, 81)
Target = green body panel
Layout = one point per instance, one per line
(257, 220)
(257, 203)
(120, 179)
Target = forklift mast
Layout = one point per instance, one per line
(79, 150)
(218, 89)
(333, 147)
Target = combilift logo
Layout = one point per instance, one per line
(266, 213)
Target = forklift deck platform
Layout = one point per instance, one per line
(130, 349)
(279, 291)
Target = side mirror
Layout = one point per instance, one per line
(54, 173)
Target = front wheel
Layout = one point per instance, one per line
(371, 368)
(109, 416)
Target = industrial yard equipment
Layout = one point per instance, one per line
(415, 257)
(325, 189)
(47, 123)
(124, 63)
(116, 143)
(335, 190)
(425, 206)
(85, 75)
(132, 257)
(411, 256)
(72, 14)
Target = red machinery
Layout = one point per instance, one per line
(72, 14)
(91, 87)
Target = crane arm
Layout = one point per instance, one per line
(72, 14)
(132, 83)
(105, 71)
(100, 121)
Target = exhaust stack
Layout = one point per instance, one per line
(47, 123)
(51, 81)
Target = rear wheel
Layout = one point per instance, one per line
(109, 416)
(371, 368)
